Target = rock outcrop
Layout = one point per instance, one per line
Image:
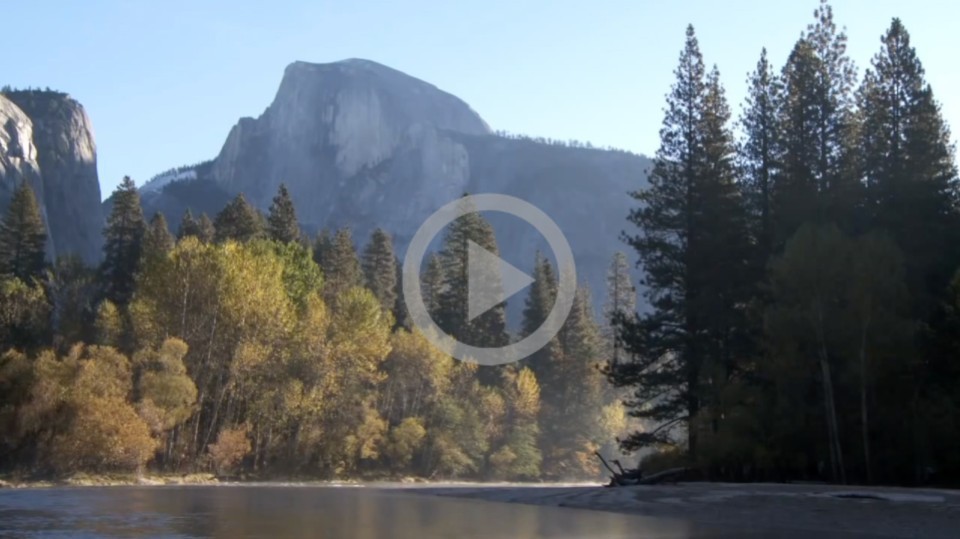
(332, 122)
(359, 144)
(46, 138)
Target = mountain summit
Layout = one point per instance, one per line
(348, 133)
(362, 145)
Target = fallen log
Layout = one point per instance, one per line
(623, 477)
(660, 477)
(628, 477)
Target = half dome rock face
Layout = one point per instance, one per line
(362, 145)
(66, 156)
(367, 109)
(338, 127)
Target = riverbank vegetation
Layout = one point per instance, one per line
(242, 349)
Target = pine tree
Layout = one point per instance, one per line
(322, 246)
(760, 154)
(572, 406)
(431, 284)
(123, 244)
(837, 122)
(282, 219)
(380, 269)
(341, 269)
(488, 329)
(692, 244)
(908, 165)
(621, 302)
(401, 316)
(537, 307)
(542, 295)
(188, 226)
(157, 240)
(206, 232)
(819, 182)
(796, 195)
(23, 237)
(237, 221)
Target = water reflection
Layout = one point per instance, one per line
(277, 512)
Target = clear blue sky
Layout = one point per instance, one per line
(164, 81)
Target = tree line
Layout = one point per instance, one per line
(571, 143)
(801, 271)
(240, 346)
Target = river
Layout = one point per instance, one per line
(299, 511)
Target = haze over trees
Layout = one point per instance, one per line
(802, 278)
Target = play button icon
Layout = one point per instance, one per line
(490, 280)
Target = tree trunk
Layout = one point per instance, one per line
(833, 430)
(864, 418)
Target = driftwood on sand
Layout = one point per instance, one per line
(634, 476)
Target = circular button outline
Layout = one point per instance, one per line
(417, 250)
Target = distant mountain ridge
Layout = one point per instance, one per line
(363, 145)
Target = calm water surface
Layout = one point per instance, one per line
(287, 511)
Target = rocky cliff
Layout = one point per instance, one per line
(332, 122)
(362, 145)
(47, 139)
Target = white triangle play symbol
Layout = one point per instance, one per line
(490, 280)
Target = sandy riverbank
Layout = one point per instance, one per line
(761, 509)
(110, 480)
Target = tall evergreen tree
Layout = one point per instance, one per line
(401, 316)
(189, 226)
(206, 232)
(282, 220)
(431, 285)
(760, 154)
(123, 244)
(379, 269)
(691, 242)
(621, 302)
(796, 194)
(911, 180)
(537, 307)
(238, 221)
(157, 240)
(837, 121)
(23, 237)
(341, 269)
(908, 165)
(489, 328)
(572, 429)
(322, 246)
(571, 386)
(819, 129)
(542, 295)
